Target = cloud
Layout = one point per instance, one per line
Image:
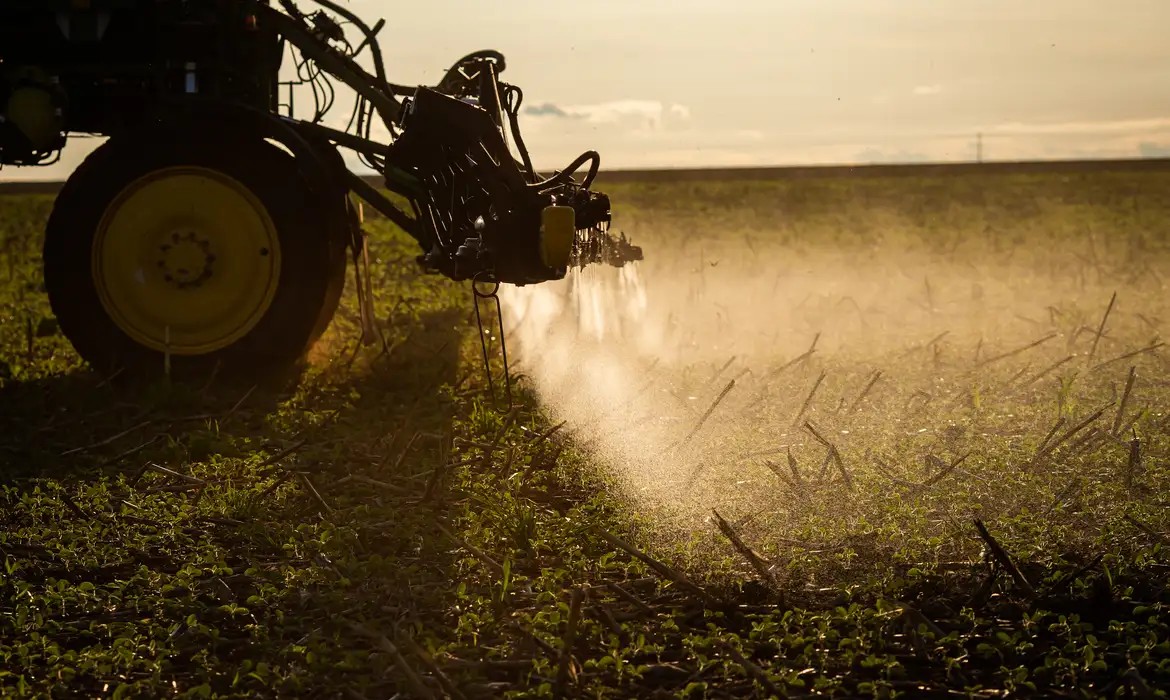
(638, 113)
(876, 155)
(924, 90)
(641, 133)
(547, 109)
(1121, 126)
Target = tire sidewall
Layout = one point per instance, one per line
(308, 256)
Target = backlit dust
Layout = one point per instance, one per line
(785, 382)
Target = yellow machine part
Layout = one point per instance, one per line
(558, 226)
(186, 260)
(31, 110)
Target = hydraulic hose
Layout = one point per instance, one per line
(566, 175)
(375, 48)
(512, 102)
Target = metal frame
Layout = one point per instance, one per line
(474, 208)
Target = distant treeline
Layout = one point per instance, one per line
(887, 170)
(798, 172)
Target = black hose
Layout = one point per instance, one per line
(375, 47)
(353, 53)
(566, 175)
(514, 123)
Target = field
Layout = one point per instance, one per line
(835, 437)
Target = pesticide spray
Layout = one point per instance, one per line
(730, 372)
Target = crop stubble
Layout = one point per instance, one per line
(852, 437)
(864, 372)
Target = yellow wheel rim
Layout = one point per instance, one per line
(186, 260)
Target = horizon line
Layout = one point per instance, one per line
(1142, 162)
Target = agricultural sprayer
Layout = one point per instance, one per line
(214, 227)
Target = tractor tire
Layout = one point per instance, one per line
(207, 257)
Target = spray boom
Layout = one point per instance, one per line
(477, 211)
(483, 214)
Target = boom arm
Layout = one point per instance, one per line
(476, 211)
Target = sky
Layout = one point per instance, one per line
(699, 83)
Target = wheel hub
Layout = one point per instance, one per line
(186, 260)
